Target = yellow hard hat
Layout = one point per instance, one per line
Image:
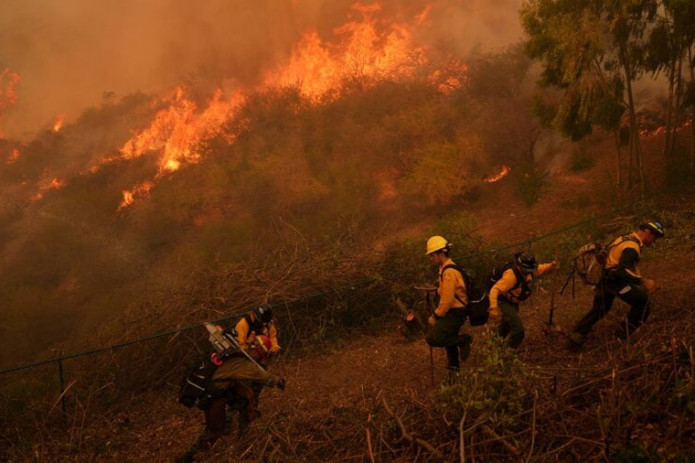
(436, 243)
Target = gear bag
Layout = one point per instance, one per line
(195, 381)
(478, 301)
(590, 261)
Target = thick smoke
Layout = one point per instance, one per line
(71, 53)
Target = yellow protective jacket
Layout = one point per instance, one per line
(505, 285)
(248, 327)
(623, 258)
(451, 290)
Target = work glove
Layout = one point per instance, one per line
(432, 320)
(281, 384)
(649, 285)
(275, 349)
(495, 317)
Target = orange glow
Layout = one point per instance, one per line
(14, 156)
(178, 129)
(45, 185)
(58, 124)
(139, 191)
(366, 49)
(649, 133)
(8, 91)
(496, 178)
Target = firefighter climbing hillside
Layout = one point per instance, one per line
(513, 287)
(451, 312)
(258, 321)
(621, 278)
(232, 382)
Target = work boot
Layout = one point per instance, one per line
(452, 377)
(465, 346)
(185, 458)
(575, 342)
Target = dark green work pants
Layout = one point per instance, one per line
(445, 333)
(605, 295)
(511, 326)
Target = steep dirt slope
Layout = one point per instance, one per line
(333, 396)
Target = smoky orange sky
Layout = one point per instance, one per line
(70, 53)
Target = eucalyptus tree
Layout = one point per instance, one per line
(593, 51)
(670, 46)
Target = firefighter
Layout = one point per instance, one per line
(258, 321)
(451, 313)
(621, 278)
(514, 287)
(231, 383)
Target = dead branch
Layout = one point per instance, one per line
(410, 436)
(496, 437)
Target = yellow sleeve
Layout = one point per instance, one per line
(542, 268)
(273, 335)
(242, 332)
(447, 293)
(503, 286)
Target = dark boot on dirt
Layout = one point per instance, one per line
(465, 346)
(452, 376)
(186, 458)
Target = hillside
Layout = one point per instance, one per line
(334, 408)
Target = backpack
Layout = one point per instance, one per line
(496, 275)
(590, 262)
(591, 258)
(195, 382)
(478, 301)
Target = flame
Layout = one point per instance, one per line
(365, 49)
(649, 133)
(58, 124)
(14, 156)
(45, 185)
(177, 130)
(8, 91)
(499, 176)
(138, 191)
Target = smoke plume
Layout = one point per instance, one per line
(73, 53)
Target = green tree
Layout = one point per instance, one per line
(670, 44)
(593, 51)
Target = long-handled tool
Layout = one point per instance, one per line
(429, 292)
(226, 345)
(550, 324)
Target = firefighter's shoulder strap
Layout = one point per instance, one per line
(467, 281)
(256, 325)
(620, 240)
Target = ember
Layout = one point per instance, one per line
(495, 178)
